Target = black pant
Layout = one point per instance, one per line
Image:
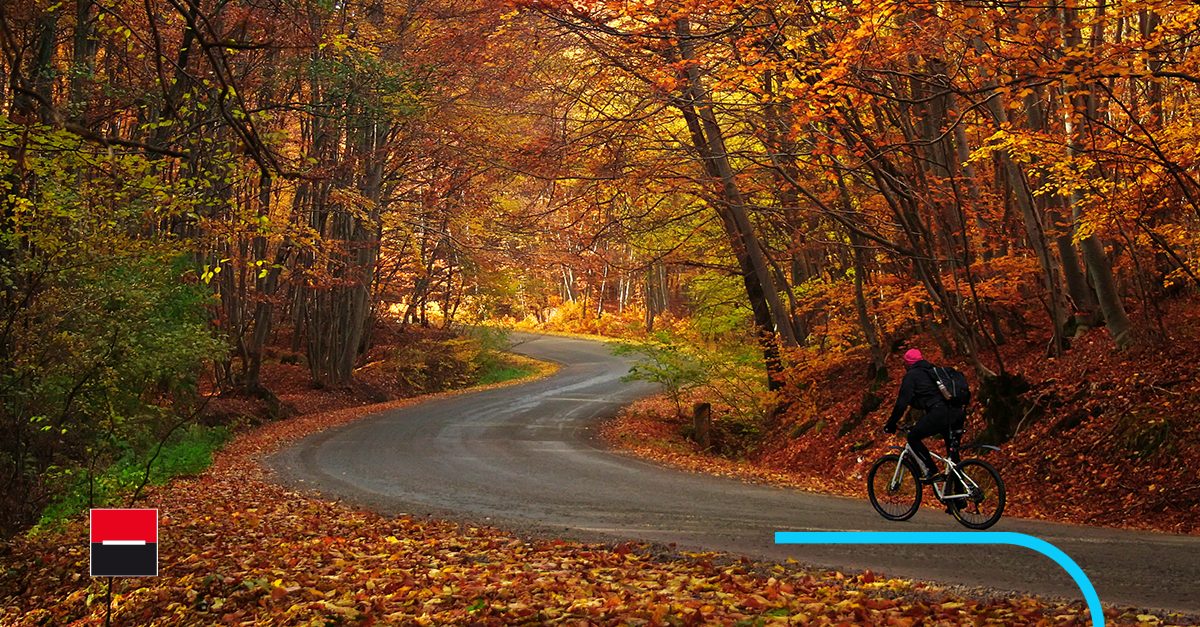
(939, 420)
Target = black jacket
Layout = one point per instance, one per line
(917, 389)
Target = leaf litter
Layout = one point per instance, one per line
(237, 549)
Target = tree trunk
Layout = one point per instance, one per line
(878, 357)
(1034, 229)
(656, 293)
(84, 51)
(709, 142)
(1085, 106)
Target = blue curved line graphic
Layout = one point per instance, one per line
(959, 537)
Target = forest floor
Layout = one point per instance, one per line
(1107, 438)
(237, 549)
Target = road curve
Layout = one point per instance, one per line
(525, 456)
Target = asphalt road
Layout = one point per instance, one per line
(526, 456)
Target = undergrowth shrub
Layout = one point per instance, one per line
(433, 364)
(493, 364)
(185, 452)
(106, 332)
(730, 376)
(436, 361)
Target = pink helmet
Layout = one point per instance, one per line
(911, 357)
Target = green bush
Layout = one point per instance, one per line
(492, 365)
(668, 361)
(731, 372)
(498, 371)
(728, 374)
(185, 452)
(106, 332)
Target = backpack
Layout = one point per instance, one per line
(953, 386)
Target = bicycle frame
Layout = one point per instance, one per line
(971, 489)
(951, 470)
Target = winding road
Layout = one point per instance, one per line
(525, 456)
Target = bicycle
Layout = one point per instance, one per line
(971, 489)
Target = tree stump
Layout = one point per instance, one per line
(702, 424)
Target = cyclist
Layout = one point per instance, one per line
(919, 389)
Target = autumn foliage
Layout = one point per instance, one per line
(1010, 187)
(197, 195)
(1105, 440)
(193, 182)
(238, 549)
(873, 167)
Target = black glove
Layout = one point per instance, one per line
(889, 427)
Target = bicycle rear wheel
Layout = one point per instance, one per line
(893, 487)
(984, 503)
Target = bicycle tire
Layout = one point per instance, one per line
(894, 502)
(985, 505)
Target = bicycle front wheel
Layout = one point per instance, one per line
(984, 503)
(894, 489)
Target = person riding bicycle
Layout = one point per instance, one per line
(919, 389)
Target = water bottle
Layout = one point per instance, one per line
(942, 388)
